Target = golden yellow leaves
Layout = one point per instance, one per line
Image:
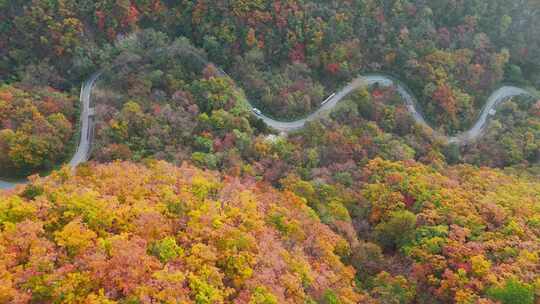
(75, 237)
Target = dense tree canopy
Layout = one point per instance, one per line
(288, 54)
(361, 206)
(154, 232)
(127, 233)
(468, 233)
(36, 128)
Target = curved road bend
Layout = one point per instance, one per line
(83, 148)
(497, 97)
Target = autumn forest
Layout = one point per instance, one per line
(264, 152)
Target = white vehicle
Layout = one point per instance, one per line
(492, 112)
(257, 111)
(328, 99)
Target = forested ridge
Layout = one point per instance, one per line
(285, 53)
(126, 233)
(190, 198)
(37, 128)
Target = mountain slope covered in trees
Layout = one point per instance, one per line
(133, 233)
(190, 198)
(37, 125)
(288, 55)
(126, 233)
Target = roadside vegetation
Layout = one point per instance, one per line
(37, 126)
(189, 198)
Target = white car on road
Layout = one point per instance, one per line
(257, 111)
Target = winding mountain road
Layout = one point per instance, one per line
(87, 113)
(503, 93)
(496, 98)
(83, 148)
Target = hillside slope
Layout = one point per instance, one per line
(157, 233)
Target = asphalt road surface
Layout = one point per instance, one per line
(503, 93)
(500, 95)
(83, 148)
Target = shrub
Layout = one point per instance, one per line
(512, 292)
